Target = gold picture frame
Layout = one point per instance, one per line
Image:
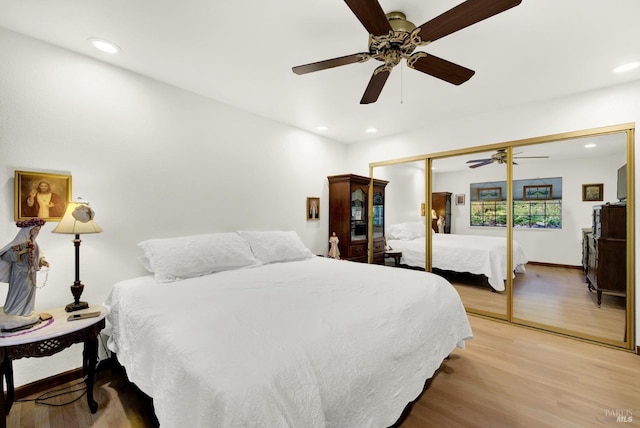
(592, 192)
(33, 189)
(313, 208)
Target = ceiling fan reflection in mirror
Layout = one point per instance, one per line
(500, 157)
(393, 38)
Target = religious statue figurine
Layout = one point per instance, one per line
(20, 260)
(441, 223)
(334, 251)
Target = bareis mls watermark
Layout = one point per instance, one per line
(619, 415)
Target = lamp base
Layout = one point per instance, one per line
(76, 306)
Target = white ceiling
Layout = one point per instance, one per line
(241, 53)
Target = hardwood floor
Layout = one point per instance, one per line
(550, 295)
(559, 296)
(508, 376)
(511, 376)
(120, 405)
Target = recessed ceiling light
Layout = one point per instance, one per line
(322, 127)
(104, 45)
(371, 130)
(590, 145)
(627, 67)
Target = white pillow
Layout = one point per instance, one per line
(276, 246)
(406, 231)
(171, 259)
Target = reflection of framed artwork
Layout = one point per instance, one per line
(39, 194)
(313, 208)
(460, 199)
(592, 192)
(540, 191)
(423, 208)
(490, 194)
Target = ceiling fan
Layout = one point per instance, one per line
(500, 157)
(393, 38)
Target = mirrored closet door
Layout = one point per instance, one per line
(405, 220)
(570, 214)
(465, 252)
(559, 209)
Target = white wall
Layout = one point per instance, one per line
(404, 193)
(153, 160)
(605, 107)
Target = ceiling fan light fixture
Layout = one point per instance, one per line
(104, 45)
(627, 67)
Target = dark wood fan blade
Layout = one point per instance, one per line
(462, 16)
(371, 15)
(487, 162)
(330, 63)
(479, 160)
(375, 85)
(440, 68)
(531, 157)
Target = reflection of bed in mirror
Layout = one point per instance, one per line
(474, 254)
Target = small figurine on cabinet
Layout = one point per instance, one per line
(441, 223)
(334, 251)
(20, 260)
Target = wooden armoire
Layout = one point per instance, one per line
(348, 216)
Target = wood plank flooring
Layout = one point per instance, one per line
(508, 376)
(511, 376)
(550, 295)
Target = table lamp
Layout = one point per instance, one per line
(77, 220)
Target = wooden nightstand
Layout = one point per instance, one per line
(48, 338)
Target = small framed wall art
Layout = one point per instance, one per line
(41, 194)
(460, 199)
(313, 208)
(592, 192)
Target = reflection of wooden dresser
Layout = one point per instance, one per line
(606, 247)
(441, 203)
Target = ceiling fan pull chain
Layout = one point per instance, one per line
(401, 86)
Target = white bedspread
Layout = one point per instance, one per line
(311, 343)
(480, 255)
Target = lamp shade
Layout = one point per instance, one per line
(77, 219)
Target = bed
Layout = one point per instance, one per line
(475, 254)
(273, 336)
